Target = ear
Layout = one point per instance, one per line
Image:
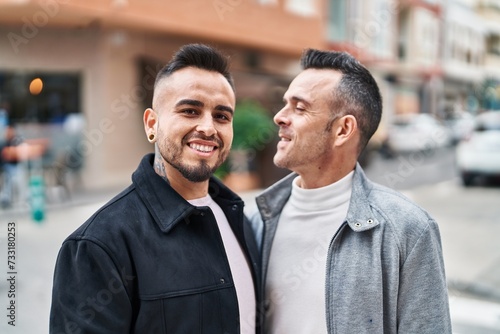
(346, 130)
(150, 119)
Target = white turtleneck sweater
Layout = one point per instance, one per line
(295, 281)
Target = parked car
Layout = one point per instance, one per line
(461, 126)
(479, 155)
(417, 132)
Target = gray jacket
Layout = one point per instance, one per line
(397, 284)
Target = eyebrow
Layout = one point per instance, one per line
(225, 108)
(196, 103)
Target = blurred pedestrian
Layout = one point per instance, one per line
(171, 253)
(11, 154)
(341, 254)
(19, 156)
(4, 121)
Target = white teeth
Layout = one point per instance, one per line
(202, 148)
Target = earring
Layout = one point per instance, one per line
(151, 137)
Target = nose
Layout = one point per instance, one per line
(206, 125)
(281, 117)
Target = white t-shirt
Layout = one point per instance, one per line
(295, 283)
(240, 269)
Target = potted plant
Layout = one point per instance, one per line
(253, 129)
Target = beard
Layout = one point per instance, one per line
(304, 152)
(200, 172)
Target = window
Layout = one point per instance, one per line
(380, 27)
(302, 7)
(39, 97)
(267, 2)
(493, 44)
(337, 23)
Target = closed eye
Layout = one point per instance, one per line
(298, 103)
(300, 107)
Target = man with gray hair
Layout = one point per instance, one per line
(341, 254)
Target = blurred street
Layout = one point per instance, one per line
(470, 230)
(76, 76)
(468, 219)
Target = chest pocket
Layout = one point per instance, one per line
(185, 284)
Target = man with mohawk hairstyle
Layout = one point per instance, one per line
(173, 252)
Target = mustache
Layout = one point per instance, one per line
(201, 136)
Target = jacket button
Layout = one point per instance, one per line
(235, 207)
(222, 281)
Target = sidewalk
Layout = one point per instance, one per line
(37, 245)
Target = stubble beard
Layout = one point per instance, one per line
(194, 173)
(298, 156)
(280, 160)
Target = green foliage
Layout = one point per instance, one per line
(222, 171)
(253, 126)
(253, 129)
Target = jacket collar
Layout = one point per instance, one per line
(274, 198)
(166, 206)
(359, 217)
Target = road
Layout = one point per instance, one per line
(470, 231)
(411, 170)
(468, 220)
(465, 214)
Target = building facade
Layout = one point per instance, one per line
(489, 93)
(98, 60)
(429, 56)
(464, 56)
(399, 40)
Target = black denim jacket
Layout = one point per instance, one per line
(150, 262)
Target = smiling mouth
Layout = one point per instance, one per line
(202, 148)
(284, 137)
